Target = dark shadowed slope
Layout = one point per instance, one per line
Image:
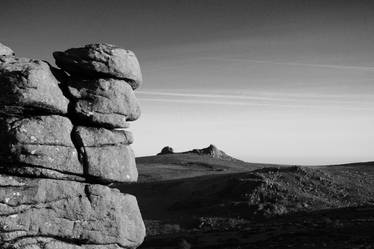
(270, 204)
(262, 192)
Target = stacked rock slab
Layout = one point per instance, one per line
(63, 141)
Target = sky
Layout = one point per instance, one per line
(268, 81)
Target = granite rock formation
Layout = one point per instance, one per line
(5, 51)
(104, 102)
(29, 86)
(106, 154)
(101, 61)
(63, 143)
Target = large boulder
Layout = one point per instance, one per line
(103, 102)
(29, 86)
(106, 154)
(55, 214)
(38, 146)
(5, 51)
(101, 61)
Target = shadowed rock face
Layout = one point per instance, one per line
(101, 61)
(106, 154)
(66, 212)
(52, 150)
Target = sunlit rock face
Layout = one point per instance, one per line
(101, 61)
(106, 103)
(63, 142)
(5, 51)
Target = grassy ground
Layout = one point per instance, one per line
(186, 165)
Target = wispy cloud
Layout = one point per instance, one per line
(194, 101)
(204, 95)
(297, 64)
(232, 100)
(243, 99)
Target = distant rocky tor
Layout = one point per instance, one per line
(166, 150)
(211, 151)
(63, 142)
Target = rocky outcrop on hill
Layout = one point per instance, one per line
(63, 142)
(166, 150)
(214, 152)
(210, 151)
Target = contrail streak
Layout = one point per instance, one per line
(236, 103)
(204, 95)
(361, 68)
(285, 98)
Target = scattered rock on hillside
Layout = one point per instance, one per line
(44, 213)
(29, 86)
(166, 150)
(101, 61)
(270, 192)
(5, 51)
(104, 102)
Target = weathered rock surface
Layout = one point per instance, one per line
(48, 157)
(106, 154)
(101, 61)
(97, 137)
(5, 51)
(38, 146)
(41, 146)
(29, 86)
(103, 102)
(44, 213)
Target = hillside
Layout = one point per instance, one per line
(197, 162)
(215, 203)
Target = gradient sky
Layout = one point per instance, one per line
(264, 80)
